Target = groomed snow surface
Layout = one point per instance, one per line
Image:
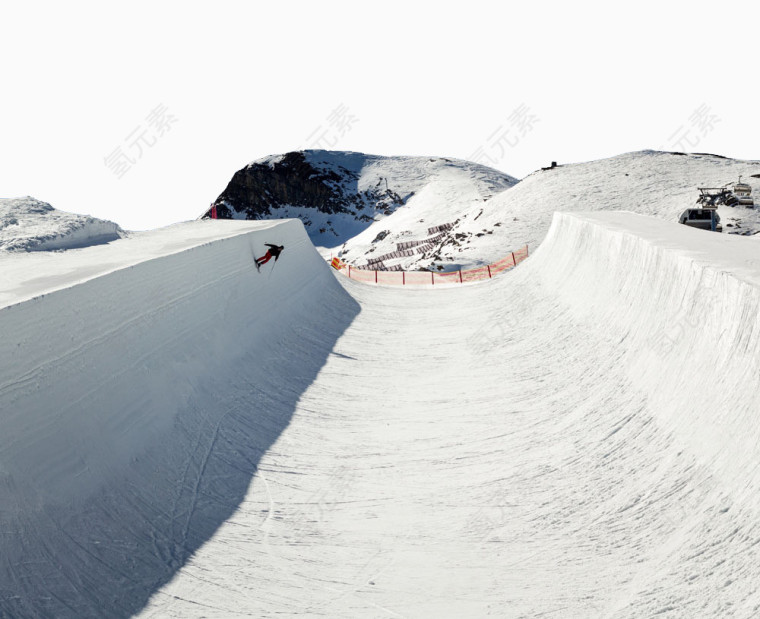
(185, 437)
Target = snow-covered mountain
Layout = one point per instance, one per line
(28, 224)
(647, 182)
(653, 183)
(446, 214)
(340, 195)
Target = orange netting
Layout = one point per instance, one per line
(503, 264)
(418, 278)
(474, 275)
(521, 254)
(390, 278)
(421, 278)
(360, 275)
(452, 277)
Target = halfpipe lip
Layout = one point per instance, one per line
(20, 278)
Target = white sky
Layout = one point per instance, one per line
(241, 80)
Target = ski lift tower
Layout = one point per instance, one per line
(713, 197)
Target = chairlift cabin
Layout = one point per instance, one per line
(702, 218)
(743, 193)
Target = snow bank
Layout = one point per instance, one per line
(135, 404)
(684, 306)
(27, 224)
(650, 340)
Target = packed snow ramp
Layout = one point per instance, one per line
(575, 438)
(127, 397)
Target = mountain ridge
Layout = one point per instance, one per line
(383, 208)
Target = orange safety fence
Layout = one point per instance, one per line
(430, 278)
(361, 275)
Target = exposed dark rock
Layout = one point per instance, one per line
(293, 181)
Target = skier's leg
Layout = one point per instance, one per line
(264, 259)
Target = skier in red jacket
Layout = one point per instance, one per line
(274, 251)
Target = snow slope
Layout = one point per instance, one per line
(451, 191)
(493, 214)
(123, 369)
(28, 224)
(350, 201)
(652, 183)
(577, 437)
(433, 190)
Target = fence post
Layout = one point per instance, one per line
(403, 278)
(349, 271)
(489, 271)
(460, 276)
(432, 277)
(375, 276)
(514, 262)
(527, 251)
